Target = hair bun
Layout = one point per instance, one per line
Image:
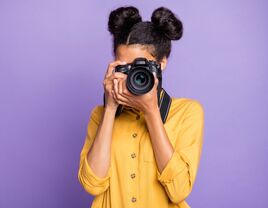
(166, 22)
(122, 19)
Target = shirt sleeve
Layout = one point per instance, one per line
(179, 174)
(92, 183)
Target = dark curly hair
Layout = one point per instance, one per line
(127, 27)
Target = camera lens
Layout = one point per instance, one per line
(140, 81)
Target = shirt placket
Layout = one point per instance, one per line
(134, 174)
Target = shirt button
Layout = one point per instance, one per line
(133, 199)
(134, 135)
(137, 117)
(133, 155)
(133, 175)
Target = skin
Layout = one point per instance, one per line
(117, 93)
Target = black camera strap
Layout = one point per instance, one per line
(164, 103)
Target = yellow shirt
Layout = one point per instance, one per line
(133, 179)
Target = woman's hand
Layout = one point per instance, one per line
(147, 102)
(108, 84)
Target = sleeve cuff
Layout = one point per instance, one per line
(174, 166)
(95, 180)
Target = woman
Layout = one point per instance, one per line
(136, 160)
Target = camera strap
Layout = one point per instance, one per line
(164, 103)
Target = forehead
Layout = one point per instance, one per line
(128, 53)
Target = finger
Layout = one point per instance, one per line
(119, 94)
(122, 103)
(120, 86)
(113, 94)
(111, 67)
(115, 81)
(118, 75)
(120, 97)
(125, 91)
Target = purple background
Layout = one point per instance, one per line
(53, 56)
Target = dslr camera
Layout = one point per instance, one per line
(140, 78)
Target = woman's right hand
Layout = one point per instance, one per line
(108, 84)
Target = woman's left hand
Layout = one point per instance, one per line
(147, 102)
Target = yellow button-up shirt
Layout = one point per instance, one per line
(133, 179)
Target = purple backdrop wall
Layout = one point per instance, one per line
(53, 56)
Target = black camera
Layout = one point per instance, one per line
(140, 78)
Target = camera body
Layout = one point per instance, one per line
(140, 78)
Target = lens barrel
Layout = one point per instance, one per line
(140, 79)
